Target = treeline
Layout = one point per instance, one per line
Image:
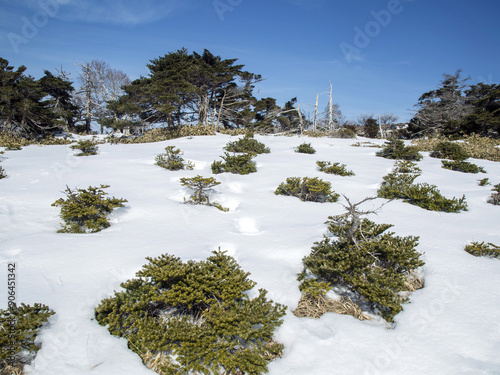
(185, 89)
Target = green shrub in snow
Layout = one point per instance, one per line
(172, 160)
(2, 173)
(449, 150)
(495, 196)
(374, 267)
(86, 210)
(462, 166)
(483, 249)
(397, 185)
(86, 147)
(236, 163)
(195, 317)
(334, 168)
(308, 189)
(396, 149)
(248, 144)
(19, 326)
(305, 148)
(200, 185)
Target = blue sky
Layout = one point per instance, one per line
(379, 55)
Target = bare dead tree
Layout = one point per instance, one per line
(354, 214)
(101, 85)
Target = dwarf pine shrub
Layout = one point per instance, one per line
(462, 166)
(200, 186)
(196, 316)
(495, 195)
(397, 185)
(365, 262)
(484, 182)
(396, 149)
(172, 160)
(449, 150)
(248, 144)
(2, 173)
(86, 210)
(236, 163)
(483, 249)
(308, 189)
(334, 168)
(305, 148)
(86, 147)
(19, 326)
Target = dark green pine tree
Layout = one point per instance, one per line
(485, 118)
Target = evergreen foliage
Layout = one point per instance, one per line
(335, 168)
(462, 166)
(87, 147)
(86, 210)
(398, 185)
(365, 261)
(495, 196)
(449, 150)
(483, 250)
(30, 107)
(248, 144)
(396, 149)
(197, 315)
(172, 160)
(484, 181)
(2, 173)
(305, 148)
(236, 163)
(19, 326)
(200, 185)
(308, 189)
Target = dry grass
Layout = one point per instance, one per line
(6, 369)
(476, 146)
(155, 361)
(312, 307)
(413, 282)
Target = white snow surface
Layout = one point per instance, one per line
(451, 326)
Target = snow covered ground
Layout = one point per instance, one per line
(451, 326)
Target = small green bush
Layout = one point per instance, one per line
(172, 160)
(200, 185)
(308, 189)
(484, 182)
(236, 163)
(495, 195)
(86, 210)
(335, 168)
(449, 150)
(248, 144)
(407, 166)
(367, 263)
(19, 326)
(196, 316)
(305, 148)
(398, 185)
(462, 166)
(396, 149)
(86, 147)
(483, 250)
(2, 173)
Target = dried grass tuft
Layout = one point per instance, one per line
(6, 369)
(413, 282)
(313, 307)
